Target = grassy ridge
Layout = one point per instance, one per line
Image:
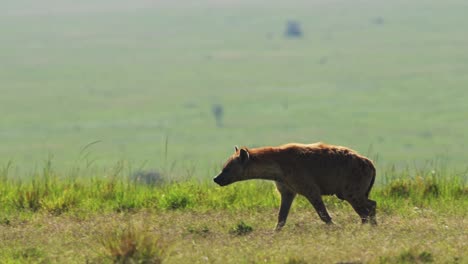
(56, 194)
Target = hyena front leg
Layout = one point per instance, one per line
(287, 197)
(316, 200)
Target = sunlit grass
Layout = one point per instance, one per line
(50, 192)
(117, 217)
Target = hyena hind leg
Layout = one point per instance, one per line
(372, 205)
(365, 208)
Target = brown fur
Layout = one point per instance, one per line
(311, 170)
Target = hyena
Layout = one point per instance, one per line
(311, 170)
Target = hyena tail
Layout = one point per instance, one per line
(372, 181)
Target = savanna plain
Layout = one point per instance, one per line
(115, 116)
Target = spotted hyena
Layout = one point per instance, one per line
(311, 170)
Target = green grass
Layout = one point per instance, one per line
(57, 219)
(118, 190)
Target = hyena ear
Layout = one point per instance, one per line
(244, 155)
(236, 149)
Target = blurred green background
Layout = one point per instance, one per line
(387, 78)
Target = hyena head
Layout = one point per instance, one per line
(234, 168)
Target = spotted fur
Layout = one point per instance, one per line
(311, 170)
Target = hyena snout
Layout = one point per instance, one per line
(221, 180)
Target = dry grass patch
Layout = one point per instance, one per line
(131, 244)
(195, 237)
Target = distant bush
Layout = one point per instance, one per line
(218, 113)
(147, 177)
(378, 21)
(293, 29)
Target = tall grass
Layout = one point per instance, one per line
(48, 191)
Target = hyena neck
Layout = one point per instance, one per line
(263, 165)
